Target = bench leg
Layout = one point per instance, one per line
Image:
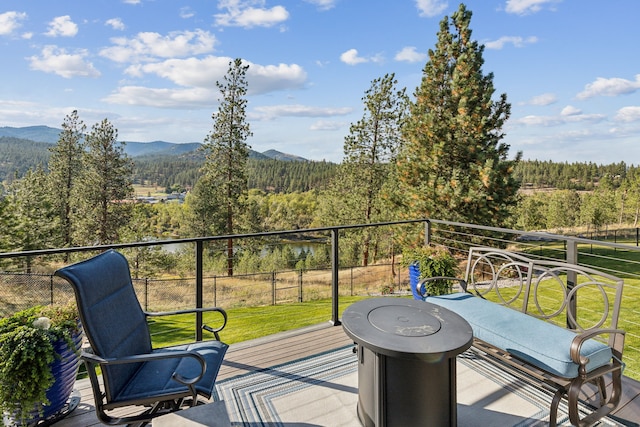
(553, 411)
(602, 389)
(606, 406)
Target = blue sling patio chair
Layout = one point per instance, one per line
(133, 373)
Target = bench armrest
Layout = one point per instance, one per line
(207, 328)
(463, 283)
(581, 338)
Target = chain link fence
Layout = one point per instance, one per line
(19, 291)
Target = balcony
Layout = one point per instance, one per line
(335, 281)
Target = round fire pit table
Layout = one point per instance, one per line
(406, 361)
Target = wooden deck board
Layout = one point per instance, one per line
(285, 347)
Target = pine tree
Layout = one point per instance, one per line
(455, 166)
(65, 168)
(219, 194)
(105, 188)
(369, 149)
(31, 214)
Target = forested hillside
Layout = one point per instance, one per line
(17, 156)
(535, 174)
(280, 176)
(181, 171)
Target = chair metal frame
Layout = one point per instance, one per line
(85, 278)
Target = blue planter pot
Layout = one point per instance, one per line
(414, 278)
(64, 370)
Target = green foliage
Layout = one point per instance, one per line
(17, 156)
(354, 195)
(26, 351)
(570, 176)
(217, 199)
(32, 212)
(65, 171)
(454, 165)
(103, 186)
(280, 176)
(432, 262)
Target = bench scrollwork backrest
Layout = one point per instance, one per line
(580, 297)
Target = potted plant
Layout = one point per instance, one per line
(39, 360)
(429, 261)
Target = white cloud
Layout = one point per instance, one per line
(148, 46)
(115, 23)
(431, 8)
(524, 7)
(323, 4)
(516, 41)
(269, 78)
(206, 71)
(609, 87)
(186, 12)
(242, 13)
(409, 54)
(570, 110)
(351, 57)
(568, 115)
(183, 98)
(628, 114)
(295, 110)
(544, 121)
(57, 61)
(197, 78)
(62, 26)
(327, 125)
(132, 1)
(11, 21)
(544, 99)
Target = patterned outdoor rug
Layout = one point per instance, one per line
(322, 391)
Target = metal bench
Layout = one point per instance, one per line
(549, 322)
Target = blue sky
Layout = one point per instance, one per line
(570, 68)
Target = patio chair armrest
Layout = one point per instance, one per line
(463, 283)
(576, 345)
(207, 328)
(137, 358)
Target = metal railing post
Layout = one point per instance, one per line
(273, 288)
(427, 233)
(199, 288)
(335, 258)
(300, 296)
(572, 277)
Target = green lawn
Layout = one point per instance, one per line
(247, 323)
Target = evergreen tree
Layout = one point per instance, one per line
(454, 166)
(370, 147)
(104, 191)
(219, 194)
(65, 167)
(32, 214)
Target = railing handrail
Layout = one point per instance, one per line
(569, 253)
(54, 251)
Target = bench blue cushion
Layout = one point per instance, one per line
(533, 340)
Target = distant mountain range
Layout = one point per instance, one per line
(134, 149)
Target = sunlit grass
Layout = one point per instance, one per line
(246, 323)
